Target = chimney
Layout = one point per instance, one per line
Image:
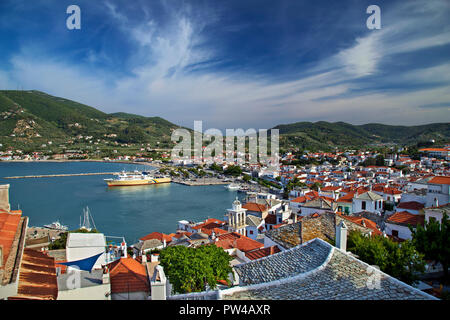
(144, 259)
(4, 197)
(154, 257)
(341, 236)
(164, 243)
(105, 278)
(1, 256)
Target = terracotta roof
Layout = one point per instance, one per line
(302, 199)
(256, 207)
(271, 219)
(347, 198)
(128, 275)
(406, 218)
(8, 227)
(440, 180)
(364, 222)
(157, 235)
(37, 279)
(434, 149)
(235, 240)
(180, 234)
(263, 252)
(411, 205)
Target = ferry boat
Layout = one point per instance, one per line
(136, 178)
(56, 226)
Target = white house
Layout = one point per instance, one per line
(368, 201)
(397, 225)
(438, 192)
(84, 245)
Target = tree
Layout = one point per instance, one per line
(191, 269)
(400, 260)
(433, 240)
(233, 170)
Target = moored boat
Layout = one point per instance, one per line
(233, 186)
(136, 178)
(56, 226)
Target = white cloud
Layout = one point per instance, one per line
(161, 86)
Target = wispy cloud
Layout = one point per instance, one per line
(163, 78)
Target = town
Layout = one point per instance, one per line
(304, 230)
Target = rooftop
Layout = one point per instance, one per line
(128, 275)
(77, 240)
(317, 271)
(406, 218)
(37, 279)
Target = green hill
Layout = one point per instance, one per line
(326, 135)
(33, 117)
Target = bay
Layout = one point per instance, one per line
(131, 212)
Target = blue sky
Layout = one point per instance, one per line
(247, 63)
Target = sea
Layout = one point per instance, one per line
(131, 212)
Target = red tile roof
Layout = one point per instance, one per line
(410, 205)
(347, 198)
(364, 222)
(263, 252)
(157, 235)
(440, 180)
(37, 278)
(128, 275)
(9, 222)
(302, 199)
(256, 207)
(406, 218)
(208, 225)
(235, 240)
(271, 219)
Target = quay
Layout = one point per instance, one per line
(62, 175)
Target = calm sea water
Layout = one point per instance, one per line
(120, 211)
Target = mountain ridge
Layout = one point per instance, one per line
(34, 117)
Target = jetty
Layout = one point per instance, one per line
(62, 175)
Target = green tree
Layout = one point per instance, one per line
(433, 240)
(400, 260)
(233, 171)
(191, 269)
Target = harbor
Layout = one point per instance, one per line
(135, 210)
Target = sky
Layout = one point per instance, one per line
(235, 63)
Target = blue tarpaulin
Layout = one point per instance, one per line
(84, 264)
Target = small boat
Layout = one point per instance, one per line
(233, 186)
(56, 226)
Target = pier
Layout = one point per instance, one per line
(62, 175)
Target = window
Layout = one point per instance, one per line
(395, 233)
(363, 205)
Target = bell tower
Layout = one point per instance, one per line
(236, 218)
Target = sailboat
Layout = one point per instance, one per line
(88, 221)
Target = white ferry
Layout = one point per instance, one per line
(135, 179)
